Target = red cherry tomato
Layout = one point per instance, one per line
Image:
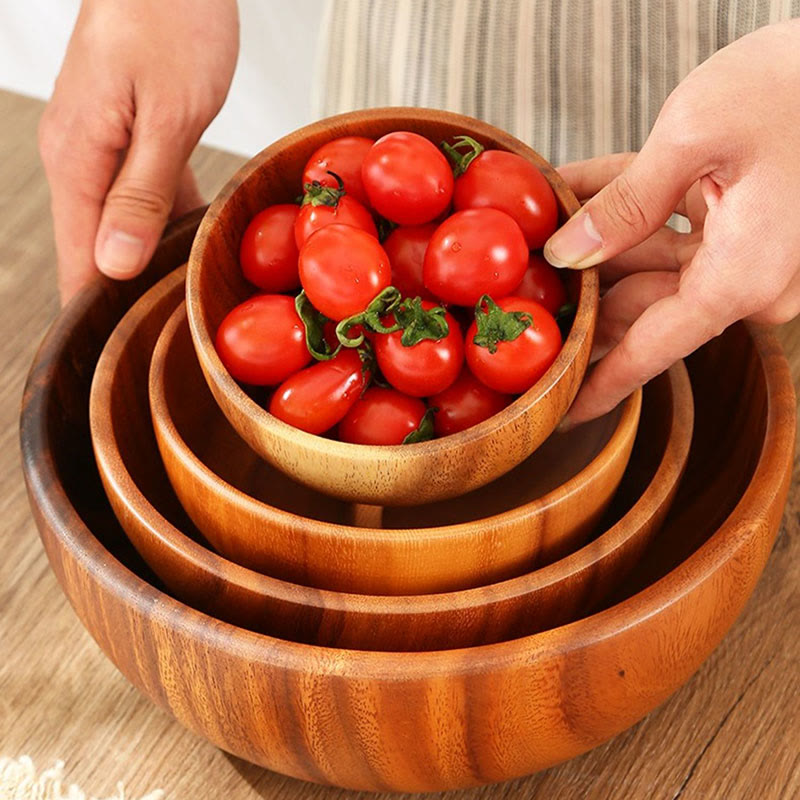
(342, 269)
(425, 368)
(316, 398)
(344, 210)
(406, 248)
(262, 341)
(542, 284)
(475, 252)
(344, 157)
(382, 416)
(407, 178)
(516, 365)
(464, 404)
(510, 183)
(268, 252)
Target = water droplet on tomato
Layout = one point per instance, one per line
(455, 247)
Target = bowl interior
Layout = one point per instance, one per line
(212, 439)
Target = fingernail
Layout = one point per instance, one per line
(120, 255)
(575, 242)
(565, 425)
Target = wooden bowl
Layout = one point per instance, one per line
(417, 721)
(408, 474)
(260, 518)
(146, 506)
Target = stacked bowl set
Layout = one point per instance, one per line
(415, 617)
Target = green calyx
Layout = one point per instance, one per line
(385, 227)
(370, 318)
(419, 324)
(424, 431)
(495, 325)
(314, 323)
(318, 195)
(461, 160)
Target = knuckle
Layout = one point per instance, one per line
(139, 200)
(623, 202)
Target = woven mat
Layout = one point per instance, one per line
(19, 781)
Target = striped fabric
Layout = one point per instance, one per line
(573, 78)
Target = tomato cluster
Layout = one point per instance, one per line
(412, 283)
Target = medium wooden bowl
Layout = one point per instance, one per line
(417, 721)
(143, 501)
(260, 518)
(409, 474)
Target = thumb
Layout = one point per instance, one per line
(626, 211)
(139, 202)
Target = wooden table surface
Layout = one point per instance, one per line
(732, 732)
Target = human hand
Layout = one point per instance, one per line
(139, 84)
(723, 152)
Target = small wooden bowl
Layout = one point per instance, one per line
(429, 721)
(258, 517)
(148, 510)
(406, 475)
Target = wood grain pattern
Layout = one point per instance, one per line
(730, 733)
(406, 475)
(147, 508)
(261, 519)
(380, 720)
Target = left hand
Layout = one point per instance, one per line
(724, 153)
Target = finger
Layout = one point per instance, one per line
(80, 167)
(624, 303)
(665, 250)
(139, 201)
(187, 196)
(586, 178)
(626, 211)
(668, 330)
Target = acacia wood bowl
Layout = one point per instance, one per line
(148, 509)
(418, 721)
(258, 517)
(402, 475)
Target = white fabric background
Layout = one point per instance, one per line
(272, 89)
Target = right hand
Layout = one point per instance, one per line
(139, 84)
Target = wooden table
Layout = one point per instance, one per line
(732, 732)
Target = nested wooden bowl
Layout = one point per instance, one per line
(407, 475)
(432, 720)
(252, 513)
(144, 503)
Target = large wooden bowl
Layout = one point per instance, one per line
(417, 721)
(249, 511)
(406, 475)
(143, 501)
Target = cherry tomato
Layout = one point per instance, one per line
(317, 397)
(344, 157)
(475, 252)
(516, 365)
(542, 284)
(382, 416)
(407, 178)
(342, 269)
(342, 209)
(510, 183)
(262, 341)
(406, 248)
(268, 252)
(464, 404)
(425, 368)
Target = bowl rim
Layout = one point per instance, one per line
(768, 486)
(221, 382)
(622, 437)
